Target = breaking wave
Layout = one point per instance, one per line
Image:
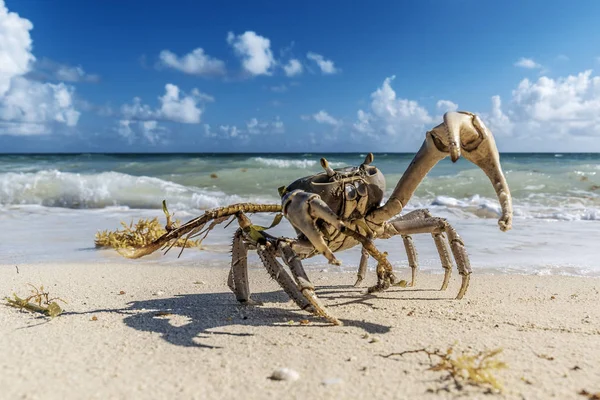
(52, 188)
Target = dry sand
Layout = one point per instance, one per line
(109, 345)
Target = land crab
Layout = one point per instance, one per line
(341, 208)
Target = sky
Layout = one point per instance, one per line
(311, 76)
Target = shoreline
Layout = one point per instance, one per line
(206, 345)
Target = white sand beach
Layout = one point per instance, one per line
(163, 332)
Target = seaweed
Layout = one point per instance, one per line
(589, 395)
(39, 301)
(144, 232)
(475, 369)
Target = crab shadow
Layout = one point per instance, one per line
(185, 320)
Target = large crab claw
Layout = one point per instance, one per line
(461, 133)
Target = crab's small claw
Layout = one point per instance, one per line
(303, 209)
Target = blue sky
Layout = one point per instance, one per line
(268, 76)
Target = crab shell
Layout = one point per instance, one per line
(350, 192)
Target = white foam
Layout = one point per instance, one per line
(52, 188)
(281, 163)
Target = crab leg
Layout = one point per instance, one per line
(277, 272)
(362, 267)
(305, 299)
(238, 275)
(436, 225)
(196, 224)
(440, 244)
(291, 259)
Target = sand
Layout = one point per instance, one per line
(112, 343)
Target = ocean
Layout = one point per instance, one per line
(51, 205)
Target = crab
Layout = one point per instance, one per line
(341, 208)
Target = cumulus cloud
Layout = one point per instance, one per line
(254, 50)
(392, 116)
(15, 47)
(196, 62)
(175, 106)
(446, 105)
(257, 127)
(322, 117)
(30, 102)
(133, 131)
(551, 107)
(28, 107)
(527, 63)
(326, 66)
(293, 68)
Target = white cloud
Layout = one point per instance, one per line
(225, 132)
(527, 63)
(254, 50)
(322, 117)
(32, 103)
(15, 47)
(392, 116)
(195, 63)
(326, 66)
(257, 127)
(28, 107)
(446, 105)
(293, 68)
(74, 74)
(567, 106)
(135, 130)
(182, 110)
(174, 106)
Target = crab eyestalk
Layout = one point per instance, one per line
(326, 167)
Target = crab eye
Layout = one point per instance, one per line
(350, 192)
(361, 188)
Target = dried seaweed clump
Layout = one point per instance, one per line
(39, 301)
(144, 232)
(589, 395)
(465, 368)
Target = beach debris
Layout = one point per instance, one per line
(144, 232)
(284, 374)
(464, 368)
(39, 301)
(163, 314)
(17, 267)
(589, 395)
(94, 318)
(304, 322)
(544, 356)
(122, 292)
(214, 176)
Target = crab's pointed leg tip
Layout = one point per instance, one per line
(463, 287)
(358, 282)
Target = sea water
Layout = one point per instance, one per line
(51, 206)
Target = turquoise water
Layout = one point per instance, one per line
(62, 200)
